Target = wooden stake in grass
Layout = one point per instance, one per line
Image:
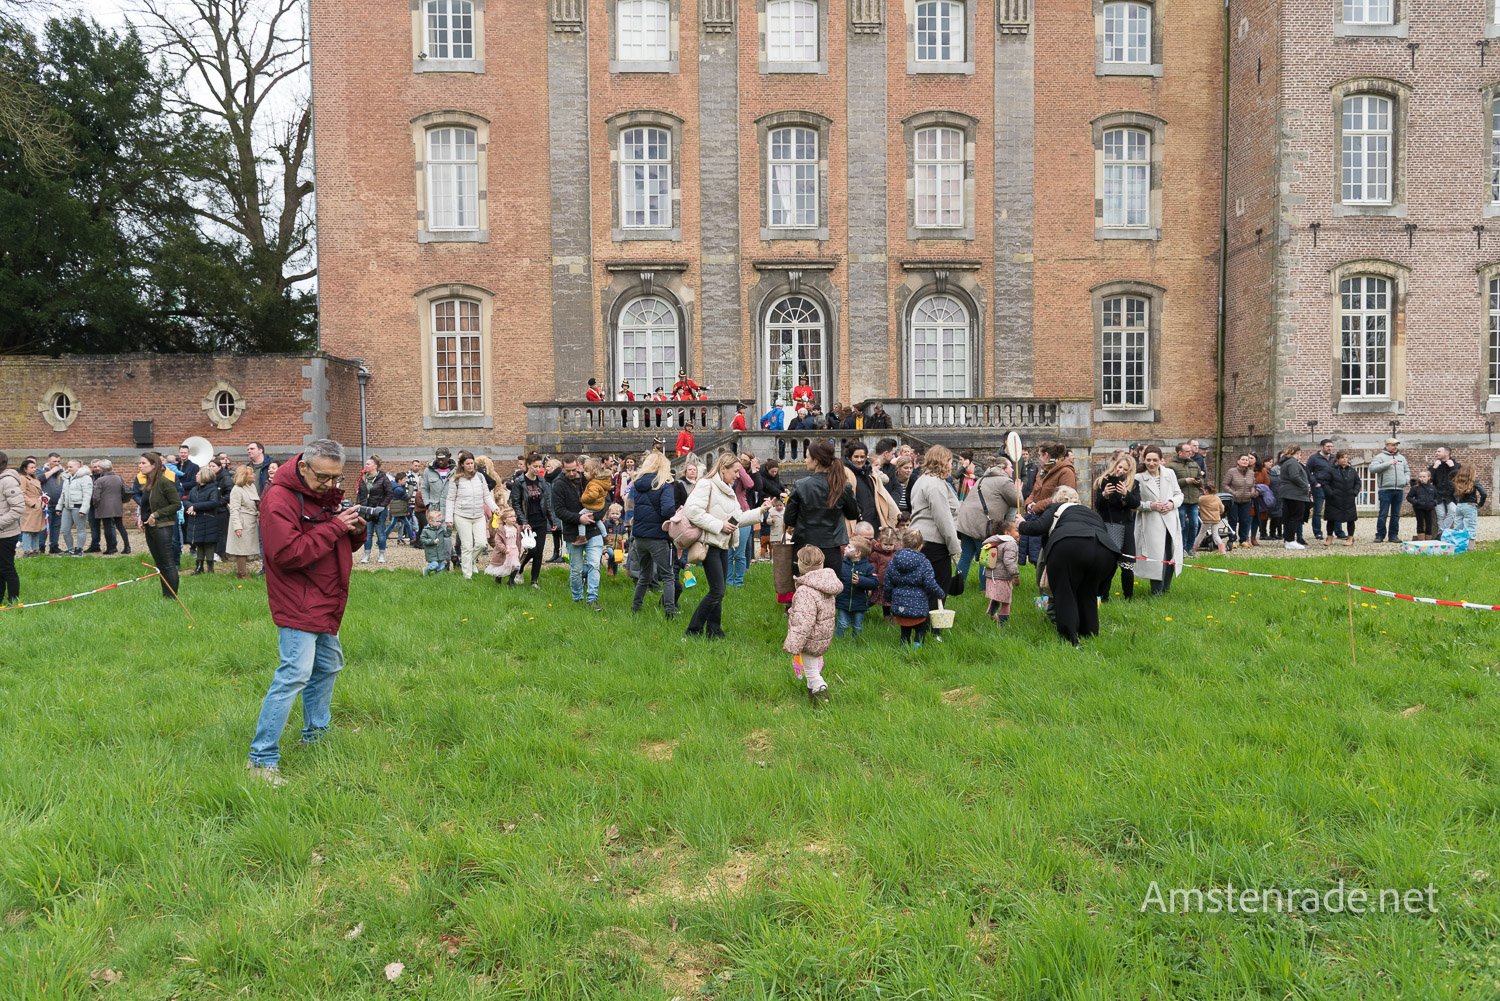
(1349, 591)
(173, 592)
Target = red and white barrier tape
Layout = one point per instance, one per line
(81, 594)
(1473, 606)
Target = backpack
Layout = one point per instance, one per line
(680, 530)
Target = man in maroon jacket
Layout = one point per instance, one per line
(309, 543)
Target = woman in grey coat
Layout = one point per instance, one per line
(1295, 496)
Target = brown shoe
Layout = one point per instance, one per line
(1254, 541)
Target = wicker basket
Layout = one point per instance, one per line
(942, 618)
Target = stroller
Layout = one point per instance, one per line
(1227, 528)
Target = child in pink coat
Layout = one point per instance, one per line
(505, 548)
(811, 618)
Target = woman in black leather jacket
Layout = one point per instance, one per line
(1116, 497)
(1079, 558)
(821, 503)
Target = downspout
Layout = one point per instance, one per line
(364, 378)
(1223, 261)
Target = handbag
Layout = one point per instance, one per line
(528, 538)
(696, 552)
(956, 585)
(783, 567)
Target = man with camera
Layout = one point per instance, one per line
(309, 535)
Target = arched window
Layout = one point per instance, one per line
(940, 31)
(1123, 351)
(644, 30)
(940, 347)
(452, 179)
(1367, 149)
(450, 29)
(1127, 33)
(794, 347)
(1365, 316)
(458, 375)
(645, 178)
(649, 349)
(1127, 178)
(792, 31)
(793, 173)
(940, 177)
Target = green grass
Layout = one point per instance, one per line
(584, 806)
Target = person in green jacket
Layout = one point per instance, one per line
(1190, 479)
(434, 542)
(159, 520)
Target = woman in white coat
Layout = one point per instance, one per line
(1158, 528)
(712, 507)
(244, 519)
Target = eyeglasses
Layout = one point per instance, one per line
(320, 477)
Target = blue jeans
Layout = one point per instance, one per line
(310, 663)
(968, 552)
(1390, 503)
(1467, 520)
(1447, 515)
(33, 542)
(1188, 515)
(1318, 496)
(584, 560)
(1243, 516)
(437, 566)
(381, 527)
(739, 556)
(847, 620)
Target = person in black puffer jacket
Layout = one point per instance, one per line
(655, 503)
(201, 504)
(857, 461)
(768, 484)
(1340, 497)
(376, 489)
(811, 517)
(1079, 558)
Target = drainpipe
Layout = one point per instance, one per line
(1223, 261)
(364, 380)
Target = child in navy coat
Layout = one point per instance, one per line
(860, 581)
(913, 588)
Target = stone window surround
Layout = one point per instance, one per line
(1157, 128)
(419, 43)
(956, 278)
(461, 119)
(210, 405)
(1398, 28)
(964, 66)
(1492, 19)
(764, 126)
(425, 298)
(613, 126)
(1155, 296)
(1489, 403)
(782, 277)
(1399, 95)
(1397, 275)
(767, 66)
(1153, 67)
(1488, 96)
(669, 65)
(44, 407)
(631, 280)
(910, 126)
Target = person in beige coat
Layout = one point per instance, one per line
(1158, 528)
(244, 519)
(12, 507)
(713, 507)
(34, 518)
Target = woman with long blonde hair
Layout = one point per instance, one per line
(1117, 498)
(655, 503)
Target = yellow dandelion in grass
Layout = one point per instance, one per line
(1208, 616)
(466, 620)
(1169, 618)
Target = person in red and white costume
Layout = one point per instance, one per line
(802, 393)
(625, 394)
(739, 418)
(593, 395)
(684, 388)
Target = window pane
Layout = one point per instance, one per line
(648, 344)
(794, 347)
(644, 30)
(792, 31)
(1364, 331)
(1365, 156)
(940, 348)
(940, 31)
(1122, 352)
(793, 174)
(450, 29)
(645, 178)
(452, 179)
(1127, 33)
(1127, 178)
(939, 196)
(456, 355)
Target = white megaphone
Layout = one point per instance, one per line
(199, 451)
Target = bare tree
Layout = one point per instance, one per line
(243, 72)
(25, 117)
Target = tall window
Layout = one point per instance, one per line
(1127, 33)
(645, 178)
(450, 29)
(1495, 148)
(643, 30)
(940, 347)
(1494, 337)
(1367, 11)
(1127, 178)
(940, 177)
(792, 31)
(1365, 327)
(455, 332)
(794, 178)
(940, 31)
(648, 343)
(1367, 149)
(452, 179)
(794, 347)
(1122, 355)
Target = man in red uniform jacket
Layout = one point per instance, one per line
(309, 542)
(593, 395)
(739, 418)
(802, 394)
(685, 440)
(684, 388)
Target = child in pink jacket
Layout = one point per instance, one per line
(811, 618)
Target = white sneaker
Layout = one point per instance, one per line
(382, 558)
(1294, 545)
(365, 558)
(269, 774)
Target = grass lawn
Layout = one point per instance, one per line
(520, 799)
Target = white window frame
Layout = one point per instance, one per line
(632, 201)
(795, 170)
(782, 27)
(1362, 144)
(1493, 356)
(933, 174)
(929, 39)
(1124, 338)
(636, 51)
(224, 405)
(1495, 151)
(450, 51)
(1369, 12)
(462, 173)
(1362, 319)
(1131, 23)
(801, 330)
(1129, 176)
(627, 324)
(461, 312)
(944, 332)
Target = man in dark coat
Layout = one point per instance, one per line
(110, 495)
(309, 543)
(1078, 557)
